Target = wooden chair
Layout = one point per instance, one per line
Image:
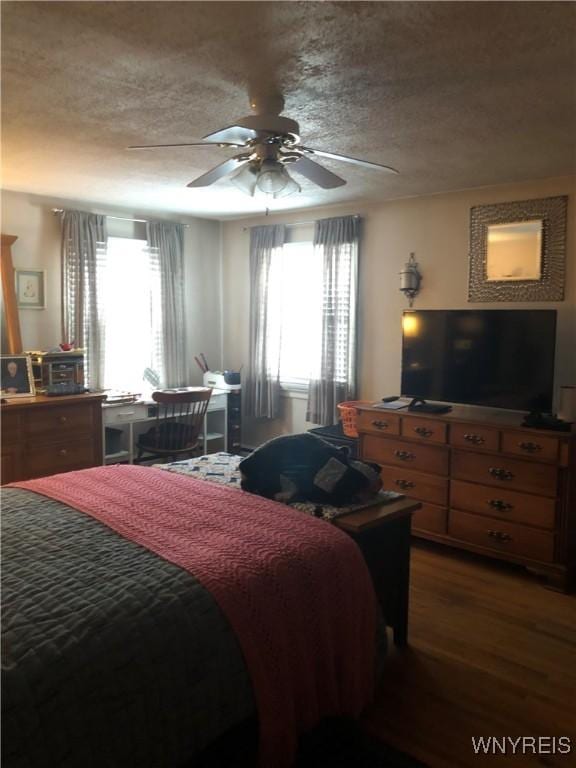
(179, 421)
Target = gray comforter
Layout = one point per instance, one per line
(112, 656)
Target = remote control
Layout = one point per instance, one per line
(390, 399)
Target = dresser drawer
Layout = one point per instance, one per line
(501, 536)
(401, 453)
(505, 473)
(503, 503)
(59, 421)
(427, 430)
(537, 447)
(474, 436)
(378, 423)
(416, 485)
(11, 427)
(64, 456)
(430, 518)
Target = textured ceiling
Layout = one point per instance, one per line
(452, 94)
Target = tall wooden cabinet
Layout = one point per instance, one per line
(46, 435)
(486, 483)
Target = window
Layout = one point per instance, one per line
(131, 314)
(298, 303)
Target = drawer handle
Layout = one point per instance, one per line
(125, 413)
(500, 535)
(63, 419)
(502, 506)
(470, 437)
(404, 455)
(501, 474)
(405, 484)
(530, 447)
(423, 432)
(63, 452)
(380, 424)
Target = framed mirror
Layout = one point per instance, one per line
(11, 340)
(518, 251)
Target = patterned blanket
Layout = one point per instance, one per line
(222, 468)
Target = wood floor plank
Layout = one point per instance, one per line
(492, 653)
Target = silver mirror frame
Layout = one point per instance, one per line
(550, 287)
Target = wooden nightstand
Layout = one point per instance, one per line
(383, 534)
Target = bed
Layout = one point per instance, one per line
(116, 656)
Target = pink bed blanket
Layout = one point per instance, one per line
(295, 590)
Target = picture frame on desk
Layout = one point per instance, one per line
(30, 288)
(16, 378)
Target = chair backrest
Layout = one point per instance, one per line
(179, 418)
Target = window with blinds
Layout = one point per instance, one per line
(130, 312)
(301, 300)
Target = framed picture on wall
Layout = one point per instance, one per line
(30, 288)
(16, 379)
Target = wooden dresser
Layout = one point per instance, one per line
(486, 484)
(46, 435)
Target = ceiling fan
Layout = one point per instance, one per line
(270, 145)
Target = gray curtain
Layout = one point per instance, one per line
(262, 394)
(83, 248)
(338, 242)
(167, 238)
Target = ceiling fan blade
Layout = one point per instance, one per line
(233, 134)
(193, 144)
(347, 159)
(228, 166)
(317, 173)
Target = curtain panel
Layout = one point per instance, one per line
(83, 249)
(167, 240)
(337, 240)
(263, 381)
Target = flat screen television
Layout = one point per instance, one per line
(501, 358)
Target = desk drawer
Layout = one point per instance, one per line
(123, 414)
(502, 536)
(426, 430)
(402, 453)
(503, 503)
(217, 402)
(378, 423)
(59, 421)
(416, 485)
(64, 456)
(505, 473)
(535, 447)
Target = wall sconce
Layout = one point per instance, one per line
(410, 279)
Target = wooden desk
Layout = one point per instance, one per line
(383, 534)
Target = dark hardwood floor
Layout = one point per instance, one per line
(492, 653)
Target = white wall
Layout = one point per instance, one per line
(436, 228)
(30, 217)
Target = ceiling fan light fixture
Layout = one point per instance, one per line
(245, 179)
(291, 188)
(273, 177)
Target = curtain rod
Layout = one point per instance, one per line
(118, 218)
(299, 223)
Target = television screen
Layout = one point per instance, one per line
(498, 358)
